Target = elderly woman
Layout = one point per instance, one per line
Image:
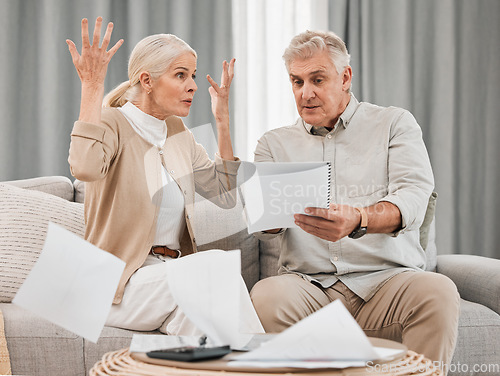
(142, 166)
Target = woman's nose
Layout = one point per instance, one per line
(192, 86)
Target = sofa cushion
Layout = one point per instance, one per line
(226, 229)
(59, 186)
(24, 218)
(37, 344)
(477, 341)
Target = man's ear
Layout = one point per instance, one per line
(346, 78)
(146, 81)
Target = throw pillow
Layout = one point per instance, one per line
(24, 218)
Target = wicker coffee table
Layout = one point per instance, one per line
(122, 362)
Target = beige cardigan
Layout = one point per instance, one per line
(123, 184)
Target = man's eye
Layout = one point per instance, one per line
(298, 82)
(318, 80)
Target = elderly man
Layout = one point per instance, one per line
(364, 249)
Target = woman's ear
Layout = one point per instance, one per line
(146, 82)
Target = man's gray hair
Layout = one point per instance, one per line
(309, 43)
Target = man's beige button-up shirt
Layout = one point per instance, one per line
(376, 154)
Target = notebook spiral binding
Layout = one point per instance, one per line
(329, 192)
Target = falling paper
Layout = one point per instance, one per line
(209, 289)
(330, 333)
(72, 284)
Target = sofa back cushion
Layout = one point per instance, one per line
(24, 218)
(59, 186)
(226, 229)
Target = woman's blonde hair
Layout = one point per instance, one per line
(153, 54)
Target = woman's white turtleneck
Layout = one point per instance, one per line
(171, 215)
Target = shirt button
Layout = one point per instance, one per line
(194, 240)
(335, 258)
(187, 216)
(329, 136)
(172, 172)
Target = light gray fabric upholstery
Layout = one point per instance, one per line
(38, 347)
(477, 278)
(478, 340)
(59, 186)
(79, 187)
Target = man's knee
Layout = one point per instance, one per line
(283, 300)
(438, 294)
(268, 297)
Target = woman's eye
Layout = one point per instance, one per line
(180, 75)
(194, 76)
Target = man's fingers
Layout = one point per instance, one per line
(317, 212)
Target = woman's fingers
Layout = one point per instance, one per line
(213, 83)
(72, 50)
(115, 48)
(107, 36)
(85, 33)
(97, 32)
(231, 68)
(227, 72)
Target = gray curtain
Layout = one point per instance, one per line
(438, 59)
(40, 92)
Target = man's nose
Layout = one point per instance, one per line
(308, 91)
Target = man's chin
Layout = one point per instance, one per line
(313, 120)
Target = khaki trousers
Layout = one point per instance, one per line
(418, 309)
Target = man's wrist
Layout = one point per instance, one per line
(362, 227)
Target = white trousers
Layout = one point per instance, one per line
(148, 305)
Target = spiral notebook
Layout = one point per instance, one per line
(273, 192)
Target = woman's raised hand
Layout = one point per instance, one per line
(220, 94)
(92, 64)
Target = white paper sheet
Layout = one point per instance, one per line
(330, 333)
(209, 289)
(151, 342)
(72, 284)
(273, 192)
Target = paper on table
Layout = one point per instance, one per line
(72, 284)
(209, 289)
(151, 342)
(330, 333)
(273, 192)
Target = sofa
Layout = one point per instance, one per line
(37, 347)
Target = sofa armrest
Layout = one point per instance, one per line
(477, 278)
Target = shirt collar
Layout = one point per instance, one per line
(344, 119)
(148, 127)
